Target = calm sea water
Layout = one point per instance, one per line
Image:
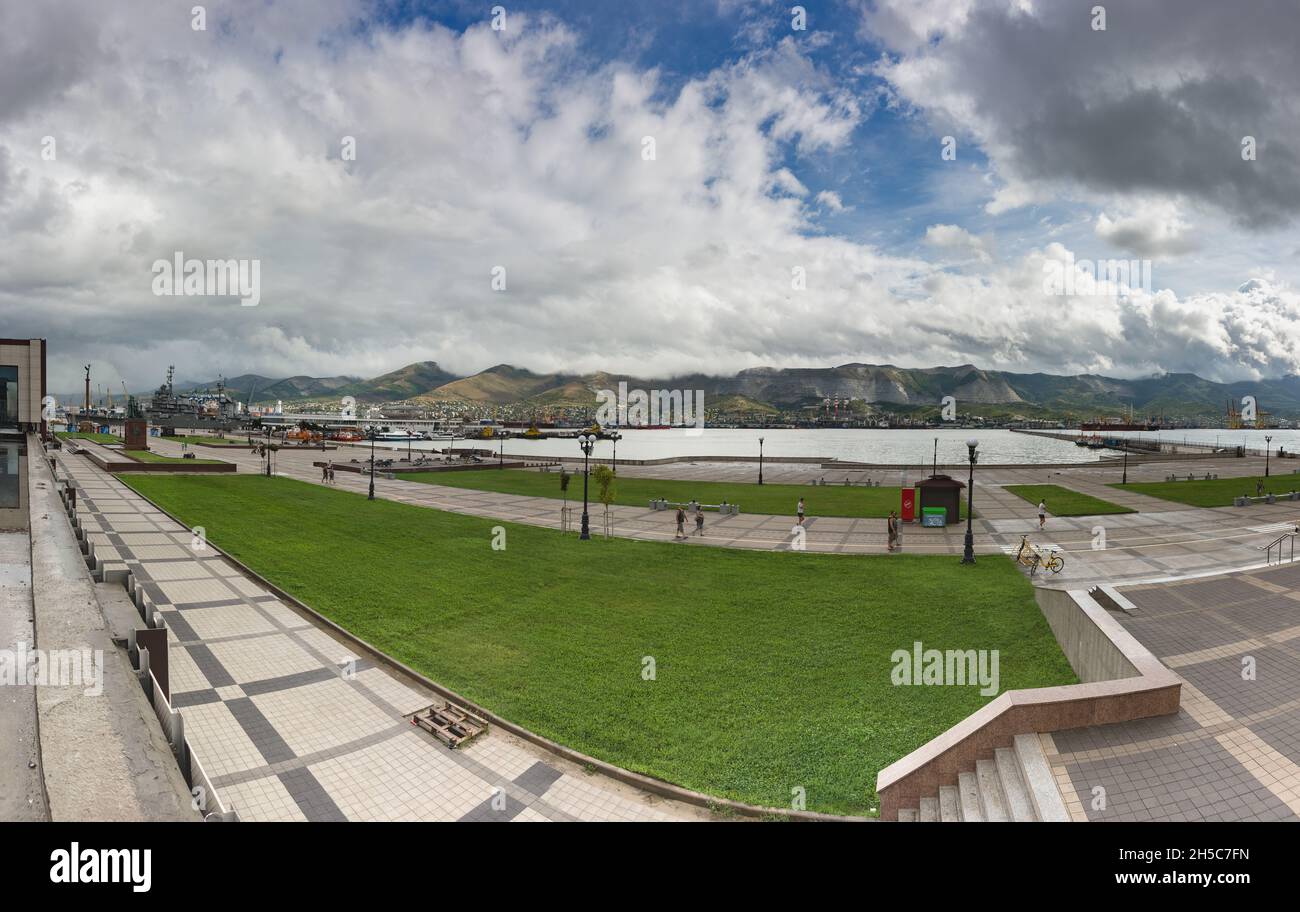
(897, 447)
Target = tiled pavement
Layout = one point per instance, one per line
(291, 725)
(1232, 752)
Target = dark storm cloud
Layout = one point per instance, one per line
(1158, 103)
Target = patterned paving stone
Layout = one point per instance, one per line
(1233, 751)
(1192, 780)
(1240, 690)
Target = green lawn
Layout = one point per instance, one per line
(1217, 492)
(772, 668)
(207, 440)
(96, 438)
(1064, 502)
(147, 456)
(778, 499)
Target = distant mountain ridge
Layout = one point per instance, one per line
(765, 388)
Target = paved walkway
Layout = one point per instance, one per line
(1232, 752)
(284, 733)
(134, 775)
(1163, 540)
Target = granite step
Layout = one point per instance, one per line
(1019, 806)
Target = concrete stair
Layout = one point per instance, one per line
(1015, 784)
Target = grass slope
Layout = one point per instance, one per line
(773, 669)
(1064, 502)
(778, 499)
(147, 456)
(206, 440)
(94, 437)
(1217, 492)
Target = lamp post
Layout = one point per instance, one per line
(616, 437)
(1267, 440)
(371, 495)
(501, 452)
(1125, 479)
(268, 452)
(587, 442)
(968, 553)
(760, 460)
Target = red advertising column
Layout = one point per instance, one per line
(908, 512)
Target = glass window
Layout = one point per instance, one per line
(8, 396)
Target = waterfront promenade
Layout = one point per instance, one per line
(303, 743)
(1163, 540)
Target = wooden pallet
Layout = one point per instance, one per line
(450, 724)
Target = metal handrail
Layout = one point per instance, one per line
(1287, 537)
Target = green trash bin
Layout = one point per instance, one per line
(934, 516)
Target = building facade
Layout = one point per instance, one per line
(22, 384)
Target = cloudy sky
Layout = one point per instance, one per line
(664, 186)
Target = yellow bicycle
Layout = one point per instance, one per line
(1054, 562)
(1031, 557)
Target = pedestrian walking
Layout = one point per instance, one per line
(699, 520)
(1042, 514)
(324, 473)
(893, 530)
(681, 523)
(800, 510)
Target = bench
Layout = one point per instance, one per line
(723, 509)
(1246, 501)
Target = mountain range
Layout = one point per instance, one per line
(884, 387)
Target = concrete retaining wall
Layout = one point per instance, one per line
(110, 464)
(1092, 653)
